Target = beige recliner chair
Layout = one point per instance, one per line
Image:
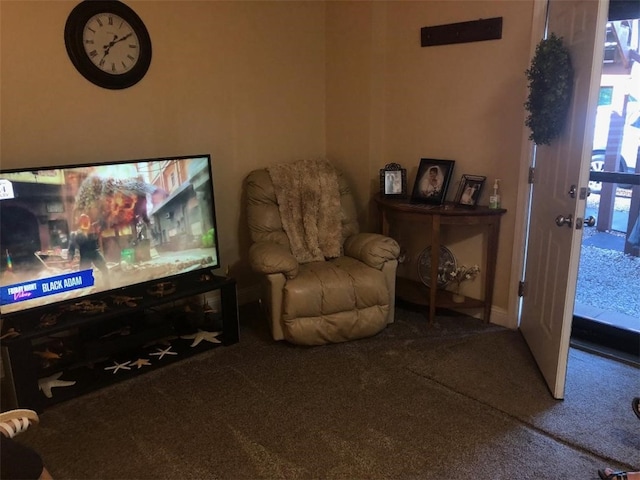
(324, 282)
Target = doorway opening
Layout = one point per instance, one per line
(607, 304)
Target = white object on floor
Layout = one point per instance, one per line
(47, 383)
(201, 335)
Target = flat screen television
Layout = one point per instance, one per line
(69, 232)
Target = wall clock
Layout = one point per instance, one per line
(108, 43)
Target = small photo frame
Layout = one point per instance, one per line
(432, 181)
(393, 180)
(469, 190)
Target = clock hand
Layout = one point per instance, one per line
(106, 51)
(113, 42)
(108, 47)
(120, 39)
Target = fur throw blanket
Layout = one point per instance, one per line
(308, 199)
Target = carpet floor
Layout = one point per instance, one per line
(456, 399)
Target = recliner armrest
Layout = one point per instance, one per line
(372, 248)
(270, 257)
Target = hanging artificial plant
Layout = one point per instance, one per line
(550, 86)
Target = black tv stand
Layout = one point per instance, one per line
(55, 353)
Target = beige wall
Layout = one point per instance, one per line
(390, 100)
(254, 83)
(244, 81)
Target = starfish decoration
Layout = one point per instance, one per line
(161, 353)
(119, 366)
(141, 362)
(161, 341)
(47, 383)
(121, 331)
(206, 307)
(48, 354)
(11, 333)
(201, 335)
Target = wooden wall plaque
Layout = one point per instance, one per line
(462, 32)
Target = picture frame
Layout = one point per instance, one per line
(432, 181)
(393, 180)
(469, 190)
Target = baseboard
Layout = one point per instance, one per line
(499, 316)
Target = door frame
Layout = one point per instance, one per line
(523, 200)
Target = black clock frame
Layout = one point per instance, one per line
(73, 31)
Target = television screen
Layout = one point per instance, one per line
(72, 231)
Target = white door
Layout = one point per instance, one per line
(553, 251)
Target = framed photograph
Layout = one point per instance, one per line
(469, 190)
(393, 180)
(432, 181)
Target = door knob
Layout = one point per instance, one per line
(561, 220)
(584, 222)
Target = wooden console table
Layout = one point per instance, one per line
(393, 209)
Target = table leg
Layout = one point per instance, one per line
(492, 258)
(435, 259)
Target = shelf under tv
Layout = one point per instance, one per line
(81, 352)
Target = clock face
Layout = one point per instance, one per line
(108, 43)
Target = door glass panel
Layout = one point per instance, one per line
(609, 272)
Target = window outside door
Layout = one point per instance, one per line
(607, 305)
